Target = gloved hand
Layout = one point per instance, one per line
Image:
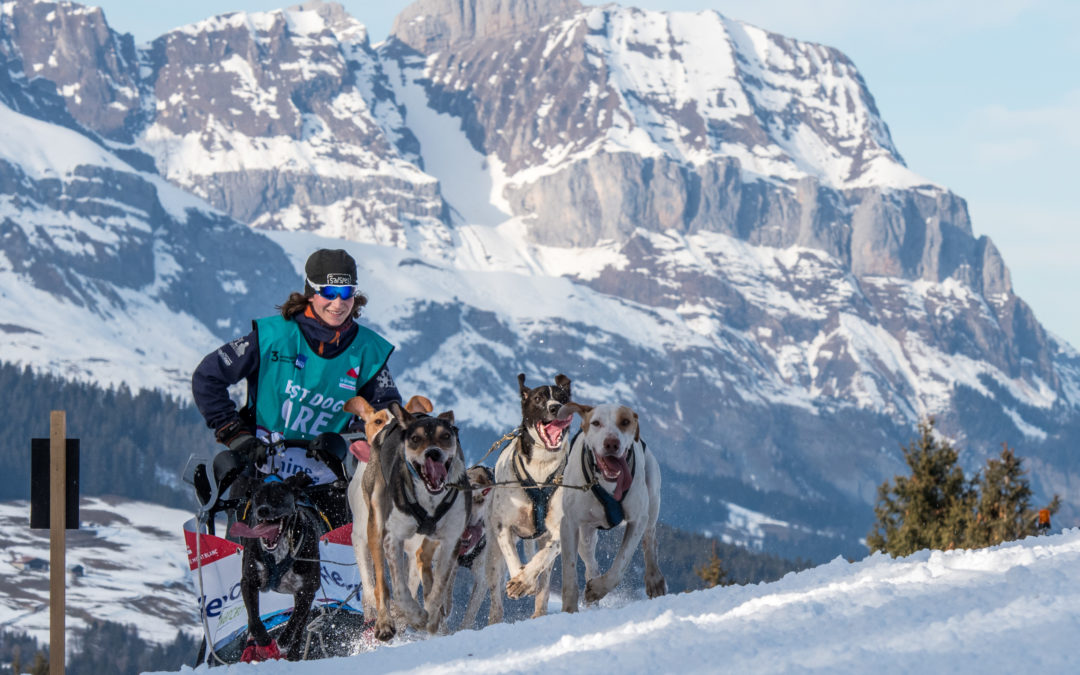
(249, 448)
(242, 442)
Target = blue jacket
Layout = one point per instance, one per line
(239, 360)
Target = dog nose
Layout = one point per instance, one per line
(262, 512)
(434, 454)
(611, 445)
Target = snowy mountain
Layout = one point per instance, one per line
(680, 211)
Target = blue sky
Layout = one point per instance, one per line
(982, 96)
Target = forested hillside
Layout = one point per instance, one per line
(131, 445)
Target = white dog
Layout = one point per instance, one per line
(609, 456)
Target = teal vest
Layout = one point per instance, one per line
(301, 394)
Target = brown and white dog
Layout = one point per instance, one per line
(533, 460)
(608, 452)
(409, 489)
(472, 551)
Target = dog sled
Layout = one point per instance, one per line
(336, 622)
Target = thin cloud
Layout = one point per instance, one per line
(1005, 135)
(834, 22)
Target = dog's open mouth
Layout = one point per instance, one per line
(268, 531)
(434, 472)
(615, 469)
(470, 538)
(552, 432)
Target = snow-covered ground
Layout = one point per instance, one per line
(1014, 608)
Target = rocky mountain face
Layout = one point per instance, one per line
(683, 212)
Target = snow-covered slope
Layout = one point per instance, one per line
(1009, 609)
(135, 570)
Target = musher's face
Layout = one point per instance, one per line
(332, 312)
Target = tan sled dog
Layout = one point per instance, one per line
(408, 490)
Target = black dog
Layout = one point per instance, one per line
(281, 553)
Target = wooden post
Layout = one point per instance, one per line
(57, 541)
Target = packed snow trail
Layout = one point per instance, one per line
(1013, 608)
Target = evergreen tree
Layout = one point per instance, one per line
(937, 508)
(713, 572)
(1003, 501)
(1004, 512)
(931, 508)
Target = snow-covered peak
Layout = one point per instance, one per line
(311, 19)
(697, 86)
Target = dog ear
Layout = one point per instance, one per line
(447, 417)
(400, 414)
(521, 385)
(637, 429)
(568, 409)
(419, 404)
(358, 405)
(563, 381)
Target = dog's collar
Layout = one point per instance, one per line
(467, 559)
(613, 509)
(539, 496)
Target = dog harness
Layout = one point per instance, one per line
(613, 509)
(539, 496)
(275, 570)
(425, 522)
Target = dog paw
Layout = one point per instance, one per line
(417, 619)
(518, 587)
(655, 586)
(253, 653)
(384, 630)
(595, 590)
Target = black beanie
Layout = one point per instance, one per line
(329, 267)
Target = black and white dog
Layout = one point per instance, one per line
(534, 460)
(281, 553)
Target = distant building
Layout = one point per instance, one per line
(28, 563)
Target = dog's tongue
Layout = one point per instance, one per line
(612, 464)
(434, 471)
(260, 531)
(552, 431)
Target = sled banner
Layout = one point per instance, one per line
(221, 604)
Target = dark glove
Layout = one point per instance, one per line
(241, 441)
(251, 449)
